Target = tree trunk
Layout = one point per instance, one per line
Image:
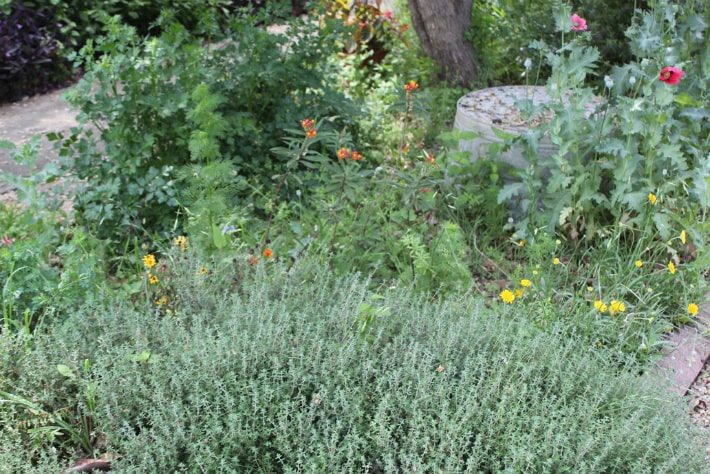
(441, 26)
(298, 7)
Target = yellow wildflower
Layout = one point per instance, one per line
(590, 289)
(683, 236)
(652, 198)
(638, 263)
(525, 283)
(519, 293)
(522, 242)
(203, 271)
(149, 261)
(693, 309)
(152, 279)
(162, 301)
(507, 296)
(600, 306)
(181, 242)
(555, 261)
(616, 307)
(671, 268)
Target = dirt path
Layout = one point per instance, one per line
(37, 115)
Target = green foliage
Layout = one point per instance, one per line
(644, 137)
(47, 266)
(163, 108)
(84, 20)
(273, 373)
(502, 31)
(654, 299)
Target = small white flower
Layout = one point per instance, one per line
(664, 172)
(608, 82)
(298, 192)
(632, 80)
(510, 220)
(527, 63)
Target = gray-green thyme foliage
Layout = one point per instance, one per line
(273, 374)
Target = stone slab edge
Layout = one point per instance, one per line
(687, 353)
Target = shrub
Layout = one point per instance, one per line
(31, 47)
(168, 106)
(296, 371)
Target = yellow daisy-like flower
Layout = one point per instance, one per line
(556, 261)
(507, 296)
(162, 301)
(202, 271)
(616, 307)
(693, 309)
(525, 283)
(522, 242)
(652, 198)
(181, 242)
(152, 279)
(683, 236)
(638, 263)
(519, 293)
(149, 261)
(671, 268)
(600, 306)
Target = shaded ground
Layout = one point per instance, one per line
(699, 398)
(22, 120)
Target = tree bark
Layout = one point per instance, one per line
(298, 7)
(441, 26)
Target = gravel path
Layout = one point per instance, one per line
(699, 399)
(20, 121)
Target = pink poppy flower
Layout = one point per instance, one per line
(670, 75)
(388, 14)
(578, 23)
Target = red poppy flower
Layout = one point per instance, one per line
(670, 75)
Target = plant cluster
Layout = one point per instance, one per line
(39, 38)
(47, 265)
(31, 51)
(163, 110)
(503, 39)
(295, 370)
(370, 30)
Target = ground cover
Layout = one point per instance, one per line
(291, 369)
